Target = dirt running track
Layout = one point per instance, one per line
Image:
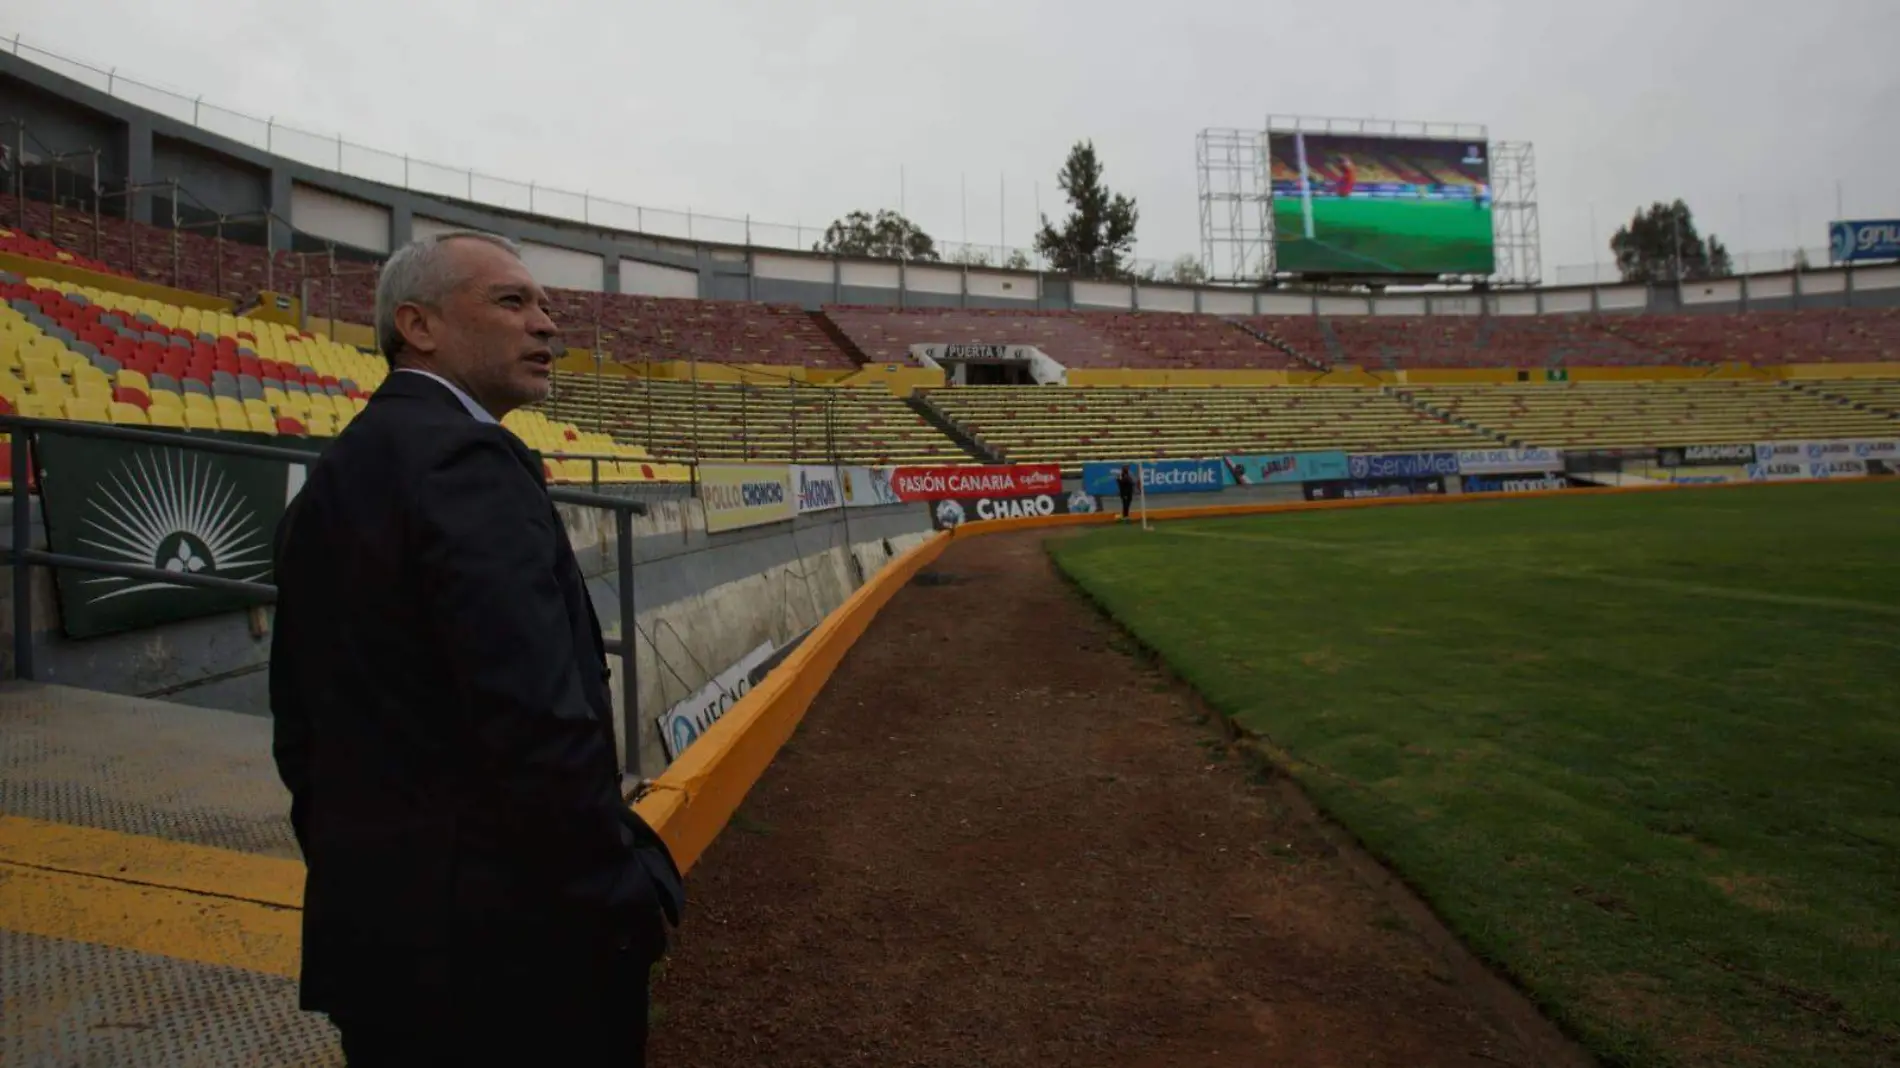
(997, 839)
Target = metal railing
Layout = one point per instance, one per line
(22, 557)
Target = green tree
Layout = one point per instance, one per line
(1187, 271)
(1097, 237)
(1661, 245)
(885, 236)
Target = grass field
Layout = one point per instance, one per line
(1642, 751)
(1399, 236)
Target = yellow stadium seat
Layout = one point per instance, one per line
(68, 361)
(48, 385)
(87, 410)
(95, 386)
(38, 406)
(128, 414)
(172, 417)
(165, 398)
(11, 388)
(260, 424)
(130, 379)
(200, 419)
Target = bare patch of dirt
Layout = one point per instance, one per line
(1000, 841)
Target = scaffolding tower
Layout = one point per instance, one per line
(1236, 209)
(1516, 237)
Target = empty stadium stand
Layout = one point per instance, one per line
(636, 329)
(36, 249)
(1817, 335)
(77, 352)
(1873, 394)
(1419, 342)
(1607, 415)
(200, 261)
(784, 423)
(1033, 424)
(1075, 339)
(94, 355)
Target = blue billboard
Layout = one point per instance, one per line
(1403, 464)
(1873, 239)
(1262, 468)
(1157, 476)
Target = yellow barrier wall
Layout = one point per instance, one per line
(1135, 376)
(901, 379)
(344, 333)
(692, 800)
(27, 267)
(1839, 370)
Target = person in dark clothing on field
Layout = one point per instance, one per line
(1125, 485)
(477, 890)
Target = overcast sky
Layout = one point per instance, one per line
(793, 111)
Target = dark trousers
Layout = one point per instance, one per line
(1127, 499)
(528, 1012)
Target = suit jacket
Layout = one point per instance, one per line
(442, 716)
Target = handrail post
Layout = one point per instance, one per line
(629, 628)
(22, 571)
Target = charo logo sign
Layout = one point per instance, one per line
(174, 512)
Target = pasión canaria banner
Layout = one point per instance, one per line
(746, 495)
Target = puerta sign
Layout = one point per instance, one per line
(178, 510)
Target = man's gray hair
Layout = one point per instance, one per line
(419, 273)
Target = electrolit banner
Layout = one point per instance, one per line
(1157, 476)
(1260, 469)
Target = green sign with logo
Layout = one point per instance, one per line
(1557, 374)
(174, 509)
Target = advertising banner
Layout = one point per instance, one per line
(1505, 461)
(1358, 488)
(869, 487)
(1705, 455)
(1157, 476)
(177, 510)
(1780, 452)
(683, 723)
(1874, 448)
(1776, 470)
(1848, 468)
(746, 495)
(1873, 239)
(817, 488)
(958, 511)
(944, 483)
(1519, 484)
(1362, 466)
(1259, 469)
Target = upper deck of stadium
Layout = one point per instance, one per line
(252, 219)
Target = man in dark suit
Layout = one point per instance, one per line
(477, 890)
